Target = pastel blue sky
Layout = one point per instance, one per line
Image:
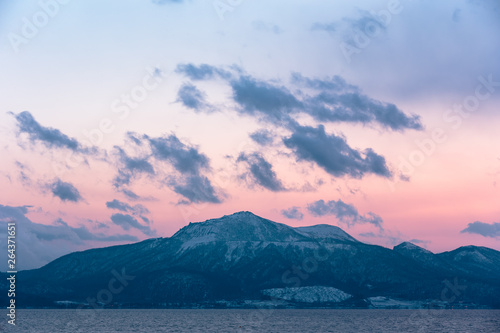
(124, 120)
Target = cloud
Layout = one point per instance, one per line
(334, 83)
(263, 137)
(338, 101)
(333, 154)
(190, 163)
(483, 229)
(65, 191)
(48, 136)
(192, 97)
(292, 213)
(202, 72)
(24, 178)
(266, 27)
(330, 99)
(261, 172)
(185, 159)
(125, 207)
(128, 222)
(38, 244)
(345, 213)
(366, 23)
(130, 194)
(363, 23)
(261, 98)
(130, 167)
(82, 234)
(195, 188)
(189, 177)
(118, 205)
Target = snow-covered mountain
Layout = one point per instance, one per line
(243, 258)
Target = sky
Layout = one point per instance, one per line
(126, 120)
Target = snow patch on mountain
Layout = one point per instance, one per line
(312, 294)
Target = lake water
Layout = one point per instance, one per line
(271, 320)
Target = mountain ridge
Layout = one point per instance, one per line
(241, 258)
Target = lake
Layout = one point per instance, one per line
(248, 320)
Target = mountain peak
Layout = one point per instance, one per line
(408, 246)
(242, 213)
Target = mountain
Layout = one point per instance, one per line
(243, 260)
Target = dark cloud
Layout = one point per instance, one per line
(192, 97)
(263, 137)
(338, 101)
(195, 188)
(335, 83)
(202, 72)
(190, 165)
(185, 159)
(261, 98)
(125, 207)
(333, 153)
(128, 222)
(48, 136)
(261, 172)
(131, 167)
(38, 244)
(118, 205)
(65, 191)
(483, 229)
(330, 99)
(130, 194)
(345, 213)
(99, 225)
(292, 213)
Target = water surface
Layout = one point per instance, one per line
(263, 320)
